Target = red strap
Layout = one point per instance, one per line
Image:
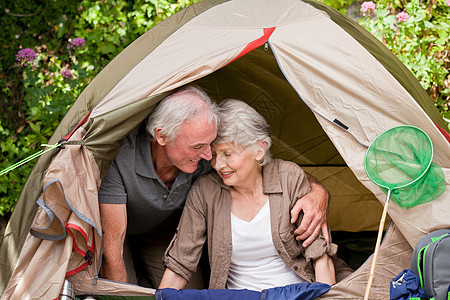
(256, 43)
(77, 270)
(78, 126)
(79, 229)
(91, 248)
(75, 246)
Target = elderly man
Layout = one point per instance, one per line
(143, 193)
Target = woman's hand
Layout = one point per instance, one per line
(324, 269)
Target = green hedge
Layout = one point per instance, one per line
(418, 33)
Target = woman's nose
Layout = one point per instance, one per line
(217, 162)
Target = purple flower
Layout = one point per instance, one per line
(78, 42)
(447, 2)
(368, 8)
(402, 16)
(26, 54)
(75, 43)
(26, 57)
(66, 73)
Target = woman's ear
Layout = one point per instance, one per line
(160, 138)
(260, 150)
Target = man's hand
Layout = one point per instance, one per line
(315, 208)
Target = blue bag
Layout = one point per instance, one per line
(406, 286)
(303, 291)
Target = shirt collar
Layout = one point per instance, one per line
(143, 156)
(271, 178)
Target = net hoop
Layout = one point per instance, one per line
(380, 136)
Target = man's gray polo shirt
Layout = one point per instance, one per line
(131, 179)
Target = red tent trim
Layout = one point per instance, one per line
(78, 126)
(256, 43)
(444, 133)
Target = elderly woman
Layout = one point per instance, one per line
(242, 211)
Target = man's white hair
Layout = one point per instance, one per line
(181, 106)
(243, 126)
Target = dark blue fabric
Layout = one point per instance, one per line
(405, 286)
(172, 294)
(303, 291)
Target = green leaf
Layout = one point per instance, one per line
(33, 127)
(429, 25)
(106, 48)
(443, 34)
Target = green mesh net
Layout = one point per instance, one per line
(400, 160)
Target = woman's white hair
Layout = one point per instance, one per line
(244, 126)
(179, 107)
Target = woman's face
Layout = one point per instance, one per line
(235, 165)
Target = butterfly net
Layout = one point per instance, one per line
(400, 159)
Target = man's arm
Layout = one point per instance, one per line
(114, 224)
(315, 208)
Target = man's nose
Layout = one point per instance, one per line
(206, 154)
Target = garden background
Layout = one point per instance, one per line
(52, 49)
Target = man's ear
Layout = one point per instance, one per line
(160, 138)
(260, 150)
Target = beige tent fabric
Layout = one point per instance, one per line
(71, 200)
(353, 208)
(339, 79)
(39, 273)
(316, 70)
(415, 222)
(386, 57)
(69, 203)
(394, 256)
(84, 285)
(164, 70)
(214, 40)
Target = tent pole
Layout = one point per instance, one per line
(375, 255)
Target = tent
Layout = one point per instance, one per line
(326, 86)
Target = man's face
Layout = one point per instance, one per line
(192, 143)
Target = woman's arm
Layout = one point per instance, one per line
(324, 269)
(171, 279)
(183, 254)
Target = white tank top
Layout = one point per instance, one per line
(255, 264)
